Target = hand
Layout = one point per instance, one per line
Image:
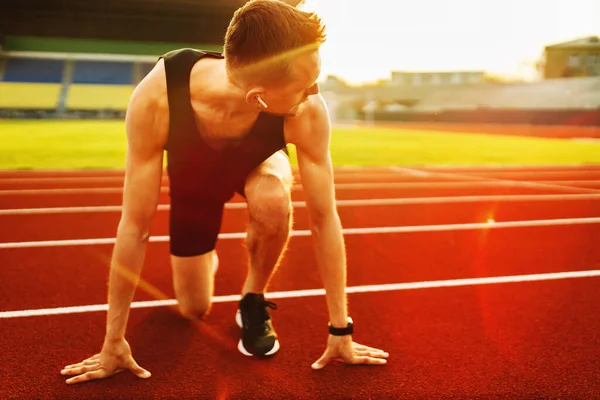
(114, 358)
(344, 349)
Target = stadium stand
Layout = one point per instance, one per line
(572, 93)
(566, 101)
(30, 83)
(38, 82)
(69, 85)
(33, 70)
(98, 97)
(100, 85)
(102, 73)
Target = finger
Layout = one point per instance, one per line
(93, 359)
(80, 370)
(323, 361)
(88, 376)
(368, 360)
(137, 370)
(367, 348)
(376, 354)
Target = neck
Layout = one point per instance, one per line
(226, 95)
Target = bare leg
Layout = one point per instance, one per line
(269, 204)
(193, 281)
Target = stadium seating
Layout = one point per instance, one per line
(33, 70)
(30, 83)
(100, 85)
(38, 96)
(573, 93)
(38, 84)
(98, 97)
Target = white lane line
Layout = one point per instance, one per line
(410, 171)
(464, 183)
(318, 292)
(537, 184)
(165, 178)
(65, 179)
(346, 231)
(119, 172)
(339, 203)
(509, 167)
(68, 191)
(510, 175)
(537, 175)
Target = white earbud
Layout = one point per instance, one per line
(261, 101)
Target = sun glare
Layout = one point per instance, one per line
(368, 39)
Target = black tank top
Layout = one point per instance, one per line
(195, 169)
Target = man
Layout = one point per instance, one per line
(224, 121)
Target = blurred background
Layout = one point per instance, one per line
(429, 61)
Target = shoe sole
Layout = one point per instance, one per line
(242, 349)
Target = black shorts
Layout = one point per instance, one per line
(195, 222)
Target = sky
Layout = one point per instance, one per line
(367, 39)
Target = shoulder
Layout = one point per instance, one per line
(311, 124)
(148, 110)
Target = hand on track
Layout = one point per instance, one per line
(114, 358)
(342, 348)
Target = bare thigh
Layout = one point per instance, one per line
(269, 185)
(193, 281)
(267, 191)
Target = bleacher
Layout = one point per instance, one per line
(571, 93)
(69, 86)
(29, 83)
(100, 85)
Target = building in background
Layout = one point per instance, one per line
(400, 78)
(576, 58)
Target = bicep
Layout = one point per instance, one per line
(141, 190)
(144, 162)
(317, 182)
(314, 161)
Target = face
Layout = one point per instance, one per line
(289, 97)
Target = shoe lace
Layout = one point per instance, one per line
(258, 315)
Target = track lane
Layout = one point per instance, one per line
(37, 227)
(117, 182)
(443, 343)
(69, 276)
(40, 180)
(18, 199)
(451, 345)
(116, 172)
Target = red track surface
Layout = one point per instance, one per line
(506, 340)
(549, 131)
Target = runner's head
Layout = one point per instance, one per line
(272, 52)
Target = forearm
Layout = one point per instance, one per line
(126, 266)
(331, 259)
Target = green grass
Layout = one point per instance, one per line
(101, 144)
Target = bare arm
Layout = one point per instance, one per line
(140, 198)
(311, 133)
(146, 124)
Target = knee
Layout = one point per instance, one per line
(270, 204)
(194, 310)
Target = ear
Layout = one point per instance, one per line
(253, 96)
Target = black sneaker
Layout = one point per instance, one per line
(258, 336)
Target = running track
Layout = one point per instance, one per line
(481, 283)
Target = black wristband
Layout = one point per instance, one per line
(348, 330)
